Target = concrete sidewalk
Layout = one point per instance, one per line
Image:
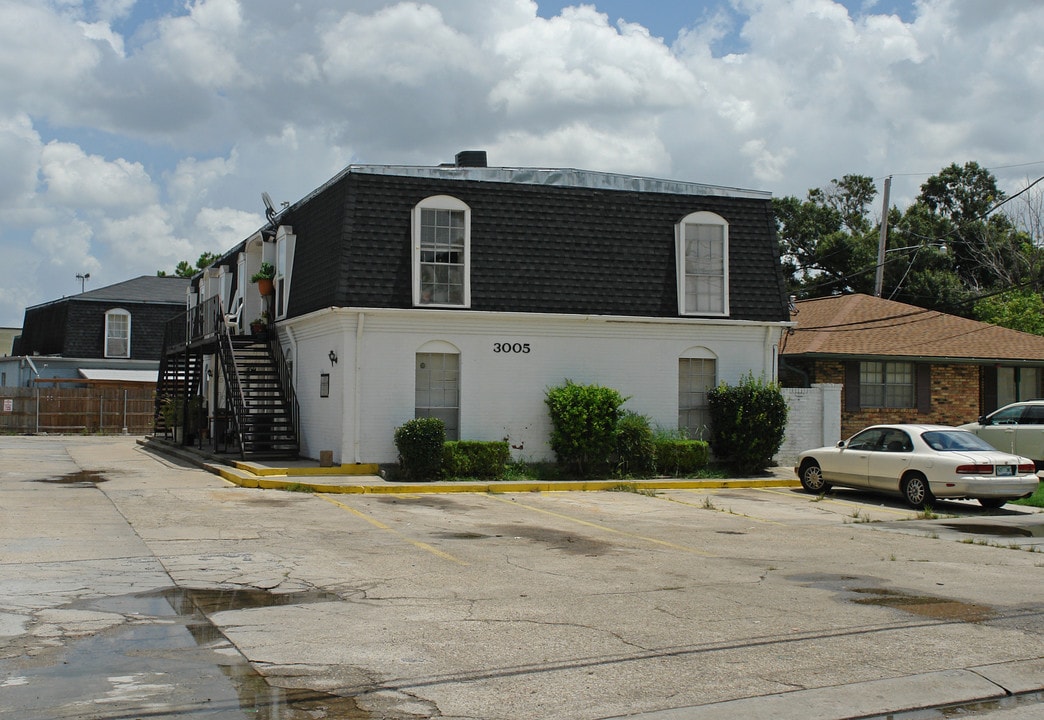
(308, 476)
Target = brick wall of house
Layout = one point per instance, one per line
(955, 398)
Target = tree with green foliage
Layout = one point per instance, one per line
(1016, 309)
(946, 250)
(748, 422)
(185, 269)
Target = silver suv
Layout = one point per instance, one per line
(1017, 428)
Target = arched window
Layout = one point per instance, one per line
(442, 252)
(437, 385)
(117, 333)
(697, 376)
(702, 245)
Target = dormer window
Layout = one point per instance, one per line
(702, 244)
(441, 252)
(117, 333)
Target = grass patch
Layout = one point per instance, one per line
(632, 488)
(298, 487)
(1034, 500)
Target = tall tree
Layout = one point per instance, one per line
(945, 250)
(185, 269)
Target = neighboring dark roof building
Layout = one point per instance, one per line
(74, 326)
(864, 326)
(542, 241)
(144, 289)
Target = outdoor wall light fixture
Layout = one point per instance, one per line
(333, 357)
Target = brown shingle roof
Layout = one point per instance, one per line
(870, 326)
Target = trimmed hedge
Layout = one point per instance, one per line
(680, 457)
(419, 443)
(748, 423)
(635, 453)
(583, 419)
(475, 458)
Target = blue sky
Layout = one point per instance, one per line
(135, 134)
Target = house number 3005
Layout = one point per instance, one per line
(511, 348)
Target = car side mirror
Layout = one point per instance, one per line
(982, 420)
(841, 444)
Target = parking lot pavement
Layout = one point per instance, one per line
(540, 605)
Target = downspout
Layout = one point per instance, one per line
(360, 323)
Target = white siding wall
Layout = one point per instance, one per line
(502, 394)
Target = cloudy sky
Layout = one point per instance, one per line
(134, 134)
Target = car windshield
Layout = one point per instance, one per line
(955, 441)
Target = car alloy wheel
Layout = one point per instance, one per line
(812, 478)
(917, 492)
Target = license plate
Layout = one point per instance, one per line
(1005, 470)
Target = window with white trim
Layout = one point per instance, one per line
(702, 245)
(438, 390)
(442, 252)
(697, 376)
(117, 333)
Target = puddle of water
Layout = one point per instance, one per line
(168, 660)
(924, 605)
(81, 478)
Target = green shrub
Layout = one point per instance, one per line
(747, 423)
(676, 456)
(474, 458)
(419, 443)
(634, 444)
(583, 419)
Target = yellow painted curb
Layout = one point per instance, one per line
(339, 470)
(283, 483)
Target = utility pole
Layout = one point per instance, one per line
(883, 242)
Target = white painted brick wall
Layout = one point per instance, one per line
(502, 394)
(813, 420)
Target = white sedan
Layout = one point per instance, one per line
(921, 463)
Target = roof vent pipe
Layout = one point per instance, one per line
(471, 158)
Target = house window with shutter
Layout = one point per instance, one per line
(886, 384)
(441, 252)
(702, 247)
(117, 333)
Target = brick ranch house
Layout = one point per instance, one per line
(902, 363)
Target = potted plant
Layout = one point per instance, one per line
(263, 278)
(259, 326)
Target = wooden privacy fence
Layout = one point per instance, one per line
(77, 410)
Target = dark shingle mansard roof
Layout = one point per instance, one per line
(543, 241)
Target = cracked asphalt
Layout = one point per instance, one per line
(118, 570)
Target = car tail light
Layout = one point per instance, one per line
(974, 470)
(1027, 468)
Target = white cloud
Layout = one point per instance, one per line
(77, 180)
(131, 144)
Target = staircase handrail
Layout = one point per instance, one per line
(287, 385)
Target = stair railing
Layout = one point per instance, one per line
(287, 385)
